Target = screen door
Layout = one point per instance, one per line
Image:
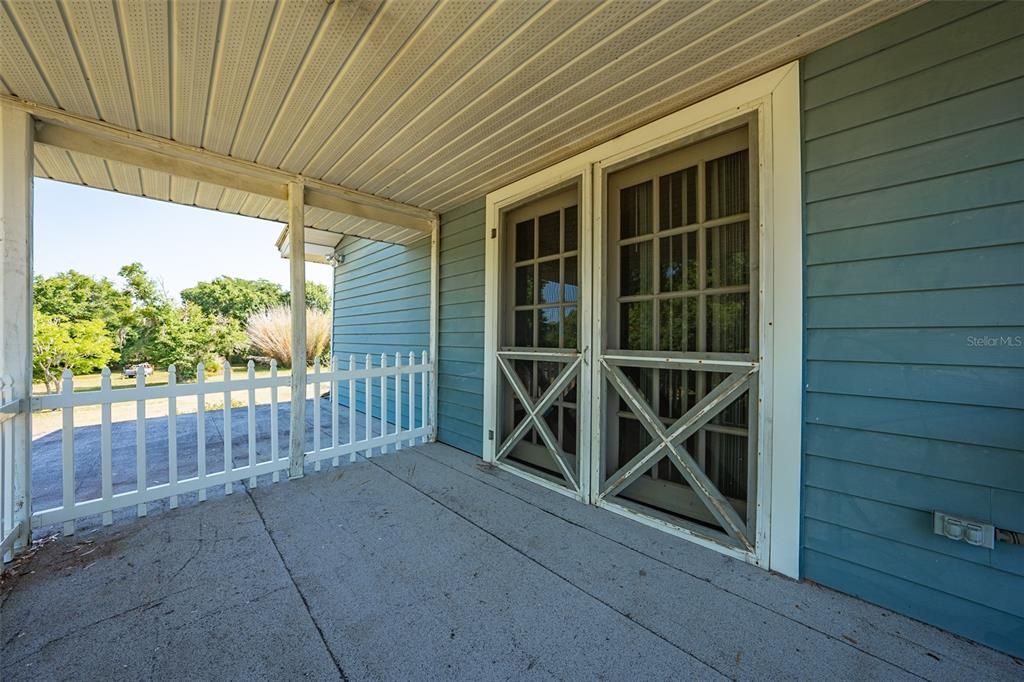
(539, 355)
(679, 365)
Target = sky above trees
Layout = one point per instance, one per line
(96, 232)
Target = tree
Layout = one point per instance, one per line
(150, 305)
(75, 296)
(186, 336)
(239, 298)
(58, 343)
(142, 288)
(234, 297)
(318, 297)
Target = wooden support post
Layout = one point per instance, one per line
(297, 263)
(16, 169)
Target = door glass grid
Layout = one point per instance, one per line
(546, 276)
(544, 268)
(684, 248)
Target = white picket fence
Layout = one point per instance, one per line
(399, 382)
(11, 517)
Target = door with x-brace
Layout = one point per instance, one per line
(539, 357)
(679, 362)
(671, 360)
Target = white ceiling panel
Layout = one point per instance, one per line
(389, 32)
(193, 42)
(331, 49)
(291, 33)
(98, 39)
(183, 190)
(144, 26)
(243, 31)
(128, 180)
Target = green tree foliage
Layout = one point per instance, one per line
(234, 297)
(141, 287)
(238, 299)
(318, 297)
(141, 324)
(150, 306)
(73, 296)
(59, 343)
(186, 336)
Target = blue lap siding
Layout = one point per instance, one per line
(461, 328)
(381, 305)
(914, 190)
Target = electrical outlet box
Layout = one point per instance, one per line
(975, 533)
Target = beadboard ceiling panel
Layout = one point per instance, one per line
(427, 102)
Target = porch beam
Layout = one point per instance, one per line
(297, 266)
(61, 129)
(16, 170)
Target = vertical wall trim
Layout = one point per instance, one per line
(492, 217)
(435, 297)
(786, 319)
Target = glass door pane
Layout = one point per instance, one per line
(540, 339)
(681, 294)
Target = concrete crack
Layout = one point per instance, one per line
(153, 603)
(305, 603)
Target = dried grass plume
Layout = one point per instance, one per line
(270, 332)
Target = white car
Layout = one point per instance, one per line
(131, 371)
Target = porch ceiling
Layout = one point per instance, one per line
(430, 104)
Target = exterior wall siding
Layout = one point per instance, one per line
(914, 279)
(381, 305)
(461, 328)
(914, 264)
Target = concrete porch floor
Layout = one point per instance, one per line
(425, 564)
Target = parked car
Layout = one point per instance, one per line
(131, 371)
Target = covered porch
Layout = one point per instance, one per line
(428, 564)
(410, 144)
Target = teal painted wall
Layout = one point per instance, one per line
(914, 190)
(461, 327)
(381, 305)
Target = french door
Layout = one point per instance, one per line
(539, 357)
(679, 354)
(655, 351)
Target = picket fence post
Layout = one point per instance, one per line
(172, 433)
(201, 429)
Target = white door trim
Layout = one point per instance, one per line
(776, 99)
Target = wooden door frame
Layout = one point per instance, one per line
(774, 98)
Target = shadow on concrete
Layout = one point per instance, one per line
(47, 450)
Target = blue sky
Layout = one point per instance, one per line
(96, 232)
